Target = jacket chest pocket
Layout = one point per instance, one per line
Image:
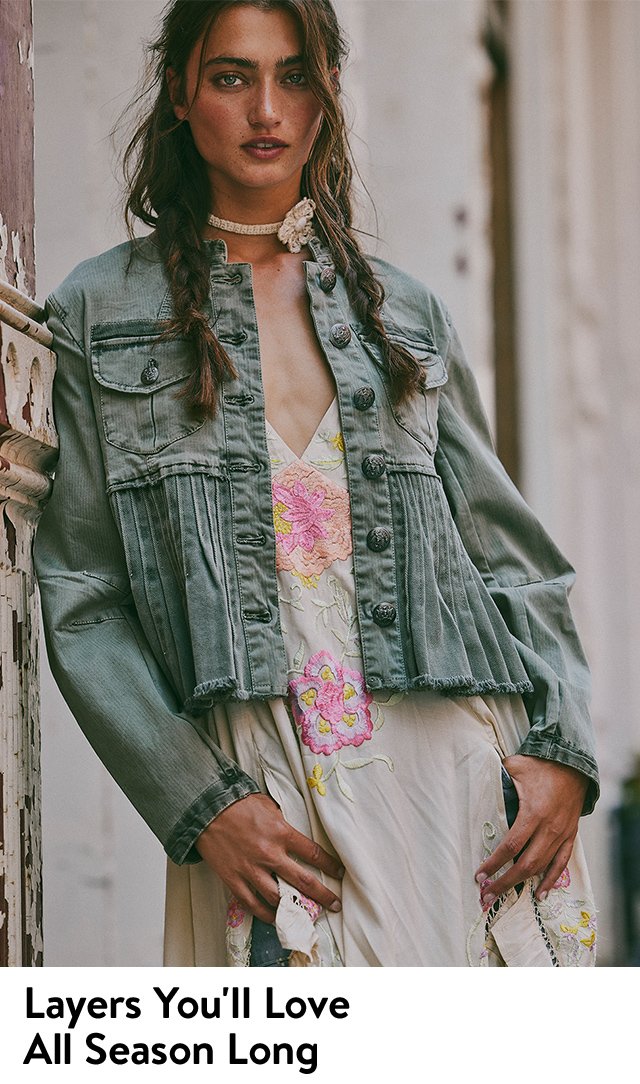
(138, 380)
(418, 414)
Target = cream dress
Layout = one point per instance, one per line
(405, 788)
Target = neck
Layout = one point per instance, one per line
(255, 206)
(254, 250)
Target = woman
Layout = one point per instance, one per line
(289, 592)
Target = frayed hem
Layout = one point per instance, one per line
(209, 693)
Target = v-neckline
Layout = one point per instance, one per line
(313, 436)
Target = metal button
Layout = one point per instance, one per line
(150, 373)
(327, 279)
(378, 539)
(234, 337)
(340, 334)
(384, 613)
(363, 398)
(373, 466)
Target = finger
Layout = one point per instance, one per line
(507, 850)
(305, 881)
(536, 857)
(266, 887)
(314, 854)
(555, 869)
(251, 903)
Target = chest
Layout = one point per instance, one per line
(297, 380)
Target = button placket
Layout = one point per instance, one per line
(247, 466)
(375, 572)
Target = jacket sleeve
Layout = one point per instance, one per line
(526, 575)
(174, 774)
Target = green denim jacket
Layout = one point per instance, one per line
(156, 553)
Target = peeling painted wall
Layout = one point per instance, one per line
(17, 258)
(27, 451)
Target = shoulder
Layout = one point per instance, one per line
(112, 278)
(409, 302)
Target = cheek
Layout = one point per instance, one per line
(309, 119)
(213, 124)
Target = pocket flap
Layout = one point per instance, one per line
(421, 346)
(138, 363)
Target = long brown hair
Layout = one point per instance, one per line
(168, 188)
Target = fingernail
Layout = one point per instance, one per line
(543, 895)
(335, 906)
(488, 899)
(481, 876)
(341, 872)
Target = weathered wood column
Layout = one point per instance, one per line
(27, 451)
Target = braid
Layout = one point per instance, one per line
(188, 267)
(365, 292)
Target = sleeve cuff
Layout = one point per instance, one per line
(180, 845)
(565, 753)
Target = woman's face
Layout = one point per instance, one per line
(254, 118)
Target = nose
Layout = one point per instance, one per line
(264, 110)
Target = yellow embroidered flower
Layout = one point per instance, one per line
(586, 918)
(282, 526)
(315, 780)
(349, 719)
(327, 673)
(349, 691)
(306, 581)
(588, 941)
(337, 441)
(323, 726)
(568, 929)
(309, 697)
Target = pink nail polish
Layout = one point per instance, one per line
(543, 895)
(481, 876)
(489, 898)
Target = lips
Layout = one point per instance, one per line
(264, 149)
(265, 143)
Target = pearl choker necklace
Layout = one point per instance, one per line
(294, 231)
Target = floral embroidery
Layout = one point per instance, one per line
(235, 913)
(564, 880)
(337, 441)
(312, 520)
(315, 780)
(310, 906)
(571, 925)
(331, 705)
(307, 581)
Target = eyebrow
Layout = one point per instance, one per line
(252, 65)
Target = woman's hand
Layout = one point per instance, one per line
(550, 801)
(250, 841)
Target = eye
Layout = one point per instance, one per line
(227, 79)
(296, 79)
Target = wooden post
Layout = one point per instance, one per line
(27, 452)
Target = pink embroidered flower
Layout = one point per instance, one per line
(235, 913)
(331, 705)
(311, 907)
(564, 880)
(312, 520)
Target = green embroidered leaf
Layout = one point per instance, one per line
(387, 760)
(299, 656)
(348, 793)
(357, 762)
